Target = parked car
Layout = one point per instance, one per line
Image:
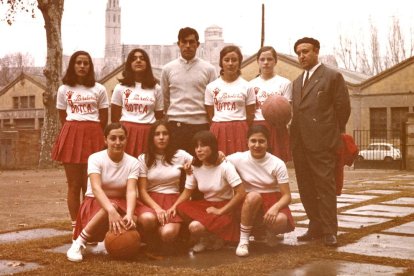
(380, 151)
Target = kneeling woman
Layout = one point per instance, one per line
(111, 197)
(159, 186)
(267, 185)
(214, 219)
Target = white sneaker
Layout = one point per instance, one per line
(273, 239)
(201, 245)
(74, 253)
(242, 250)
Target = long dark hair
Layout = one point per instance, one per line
(205, 138)
(150, 153)
(70, 77)
(229, 49)
(148, 80)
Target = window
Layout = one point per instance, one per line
(378, 122)
(23, 102)
(398, 116)
(31, 101)
(15, 102)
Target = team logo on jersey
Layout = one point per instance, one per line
(69, 95)
(127, 93)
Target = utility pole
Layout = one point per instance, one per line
(263, 26)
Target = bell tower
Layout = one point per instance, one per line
(113, 34)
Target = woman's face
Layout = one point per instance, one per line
(161, 138)
(231, 63)
(82, 65)
(116, 140)
(202, 152)
(266, 62)
(138, 64)
(257, 144)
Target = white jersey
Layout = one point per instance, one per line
(264, 88)
(215, 182)
(138, 105)
(114, 176)
(260, 175)
(162, 177)
(82, 103)
(229, 99)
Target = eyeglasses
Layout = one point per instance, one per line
(80, 62)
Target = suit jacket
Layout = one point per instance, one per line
(321, 114)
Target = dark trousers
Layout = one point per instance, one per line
(316, 182)
(181, 137)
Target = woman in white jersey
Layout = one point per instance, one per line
(265, 85)
(137, 101)
(83, 112)
(214, 219)
(158, 185)
(111, 198)
(267, 185)
(229, 103)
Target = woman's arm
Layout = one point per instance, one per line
(239, 194)
(185, 195)
(147, 200)
(115, 220)
(62, 116)
(159, 114)
(210, 112)
(116, 112)
(103, 117)
(284, 201)
(131, 198)
(250, 110)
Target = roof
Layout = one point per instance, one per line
(19, 78)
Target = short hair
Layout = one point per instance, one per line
(148, 81)
(229, 49)
(309, 40)
(258, 129)
(205, 138)
(70, 77)
(113, 126)
(265, 49)
(184, 32)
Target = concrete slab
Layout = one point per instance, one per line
(401, 201)
(378, 192)
(407, 228)
(382, 245)
(377, 182)
(295, 195)
(352, 198)
(8, 267)
(20, 236)
(381, 211)
(298, 207)
(90, 249)
(355, 222)
(332, 267)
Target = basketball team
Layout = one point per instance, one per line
(190, 159)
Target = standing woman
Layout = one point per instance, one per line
(137, 101)
(229, 103)
(267, 185)
(265, 85)
(111, 199)
(158, 185)
(83, 112)
(215, 218)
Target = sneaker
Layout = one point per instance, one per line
(273, 239)
(74, 253)
(242, 250)
(201, 245)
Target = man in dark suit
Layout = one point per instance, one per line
(321, 109)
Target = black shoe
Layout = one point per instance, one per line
(330, 240)
(308, 236)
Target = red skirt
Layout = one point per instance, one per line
(279, 141)
(269, 199)
(77, 140)
(165, 201)
(226, 226)
(137, 138)
(231, 136)
(88, 209)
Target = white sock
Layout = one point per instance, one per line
(245, 233)
(83, 238)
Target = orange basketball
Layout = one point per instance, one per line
(124, 245)
(277, 110)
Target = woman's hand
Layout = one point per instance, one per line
(116, 223)
(187, 168)
(213, 210)
(162, 216)
(129, 222)
(271, 215)
(172, 212)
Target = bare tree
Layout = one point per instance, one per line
(52, 12)
(11, 65)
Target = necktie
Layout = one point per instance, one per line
(306, 79)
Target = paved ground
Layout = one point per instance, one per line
(376, 220)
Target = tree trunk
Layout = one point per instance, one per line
(52, 11)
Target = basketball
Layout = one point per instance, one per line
(124, 245)
(277, 110)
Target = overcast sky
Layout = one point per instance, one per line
(158, 21)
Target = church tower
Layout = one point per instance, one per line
(113, 48)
